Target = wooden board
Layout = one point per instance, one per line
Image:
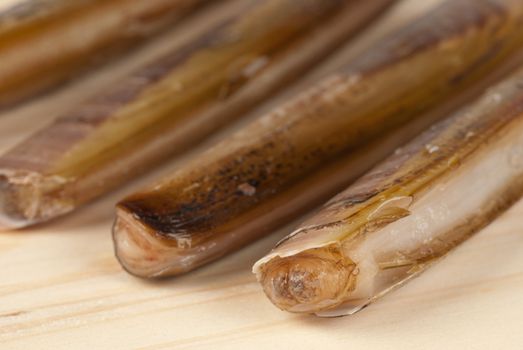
(61, 288)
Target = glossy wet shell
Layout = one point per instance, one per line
(380, 198)
(175, 101)
(383, 89)
(410, 170)
(88, 32)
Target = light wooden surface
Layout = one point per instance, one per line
(61, 288)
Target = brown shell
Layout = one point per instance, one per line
(29, 70)
(449, 150)
(254, 178)
(171, 103)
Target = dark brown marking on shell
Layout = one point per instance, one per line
(77, 125)
(201, 211)
(384, 176)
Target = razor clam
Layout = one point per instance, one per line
(171, 103)
(300, 154)
(46, 42)
(407, 213)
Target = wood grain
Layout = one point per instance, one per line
(61, 288)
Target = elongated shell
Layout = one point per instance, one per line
(388, 227)
(170, 104)
(46, 42)
(300, 154)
